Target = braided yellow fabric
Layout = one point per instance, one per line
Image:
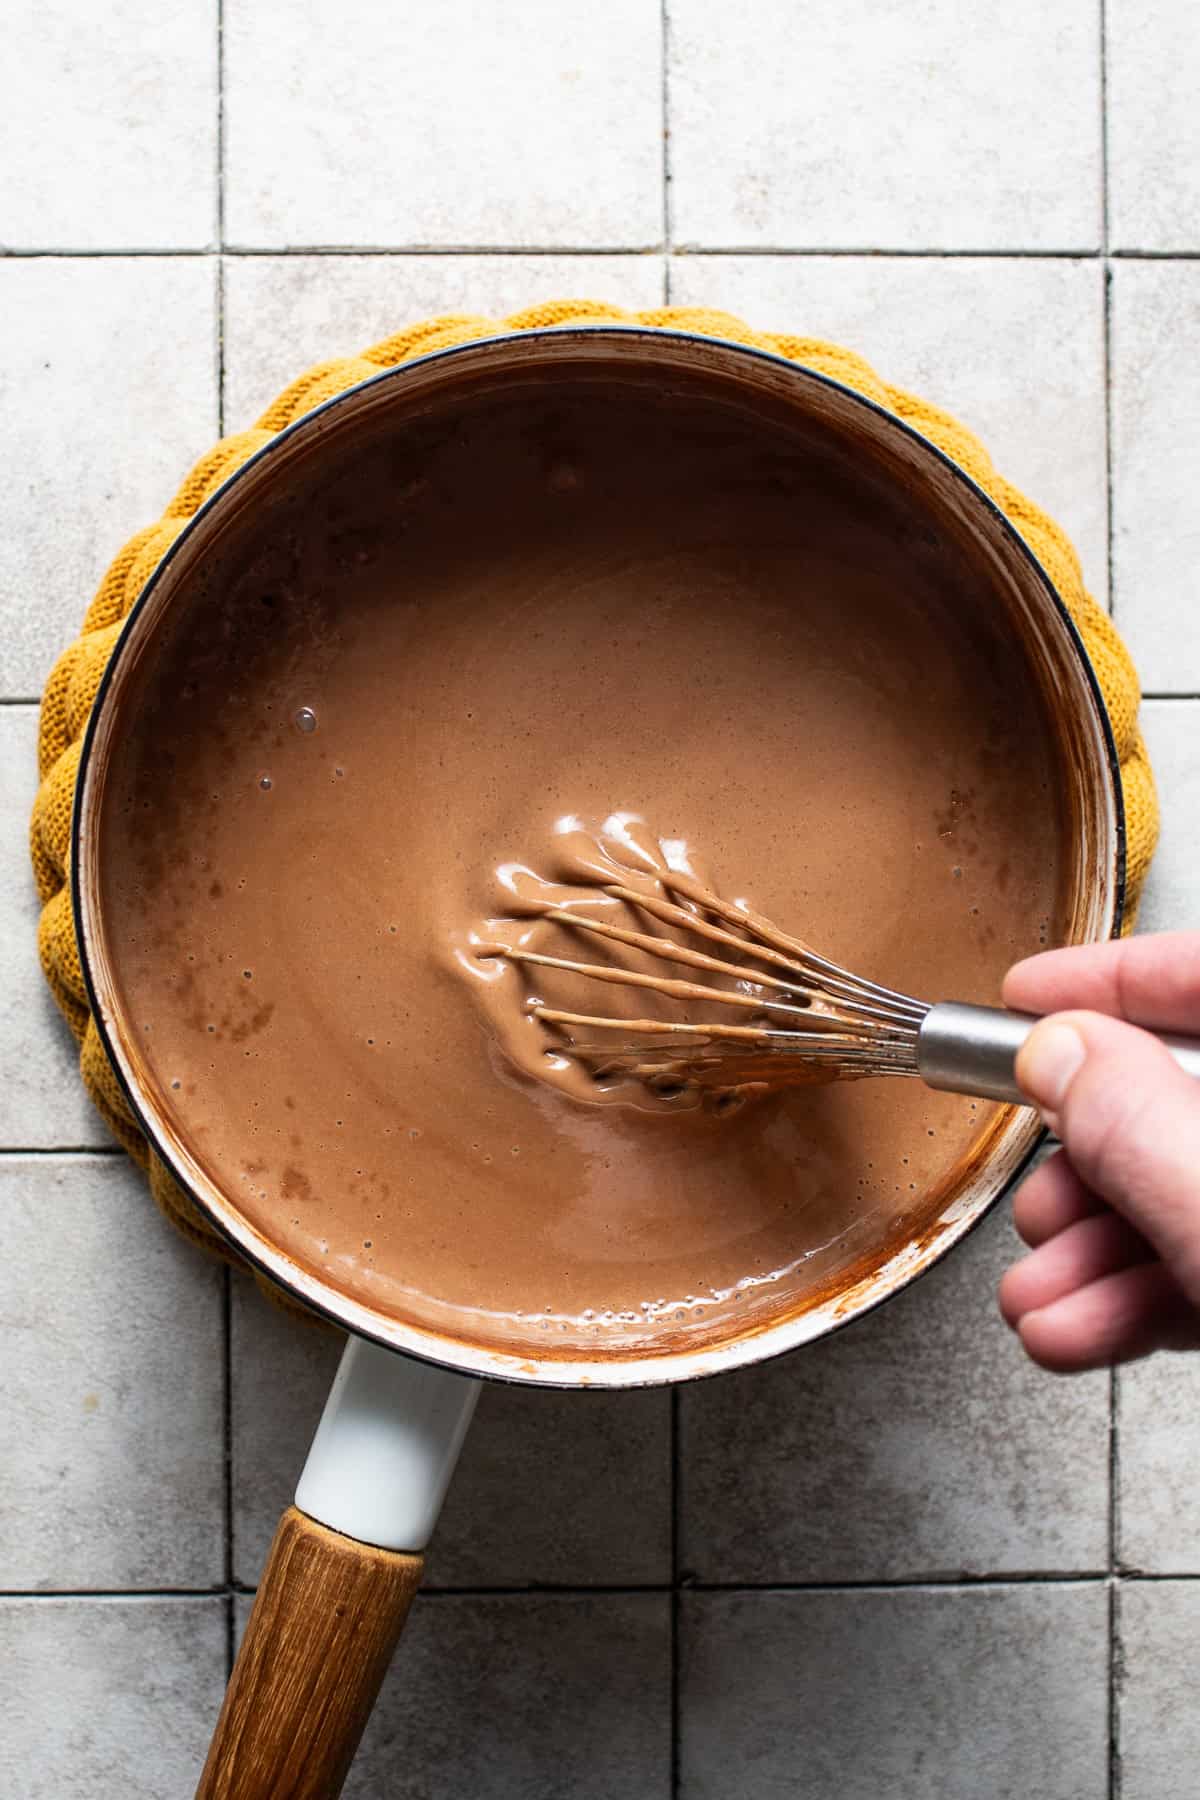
(72, 686)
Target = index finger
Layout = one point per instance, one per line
(1152, 980)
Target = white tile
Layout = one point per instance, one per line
(898, 127)
(1153, 65)
(1158, 1456)
(1014, 348)
(281, 1370)
(560, 1489)
(284, 312)
(1158, 1723)
(552, 1488)
(457, 124)
(112, 1440)
(109, 395)
(919, 1442)
(523, 1697)
(108, 1699)
(42, 1100)
(109, 124)
(1156, 468)
(987, 1693)
(1172, 898)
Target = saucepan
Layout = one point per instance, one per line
(346, 1559)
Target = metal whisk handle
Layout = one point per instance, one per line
(973, 1049)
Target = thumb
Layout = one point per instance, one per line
(1130, 1120)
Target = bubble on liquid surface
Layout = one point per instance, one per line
(306, 719)
(265, 782)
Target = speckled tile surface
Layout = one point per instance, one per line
(904, 1563)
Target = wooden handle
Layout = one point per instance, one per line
(327, 1617)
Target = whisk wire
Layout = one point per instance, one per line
(813, 1019)
(775, 947)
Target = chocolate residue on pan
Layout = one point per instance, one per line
(580, 596)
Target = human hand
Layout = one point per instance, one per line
(1113, 1218)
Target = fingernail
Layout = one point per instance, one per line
(1048, 1063)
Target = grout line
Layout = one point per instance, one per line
(1155, 255)
(964, 1582)
(915, 1584)
(931, 252)
(532, 1591)
(900, 1584)
(219, 346)
(8, 253)
(220, 133)
(921, 1584)
(1146, 1577)
(665, 121)
(1114, 1744)
(220, 218)
(20, 700)
(1114, 1470)
(50, 252)
(88, 1150)
(1103, 21)
(538, 1591)
(1106, 323)
(163, 1593)
(403, 250)
(67, 252)
(1108, 434)
(1148, 696)
(676, 1597)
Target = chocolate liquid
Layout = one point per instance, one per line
(547, 606)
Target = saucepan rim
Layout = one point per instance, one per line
(614, 1370)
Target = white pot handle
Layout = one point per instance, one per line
(386, 1447)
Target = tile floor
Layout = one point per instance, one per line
(903, 1563)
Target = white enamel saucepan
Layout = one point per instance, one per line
(347, 1557)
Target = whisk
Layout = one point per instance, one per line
(781, 1015)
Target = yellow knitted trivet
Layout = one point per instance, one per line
(72, 686)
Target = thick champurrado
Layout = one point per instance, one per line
(567, 602)
(571, 972)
